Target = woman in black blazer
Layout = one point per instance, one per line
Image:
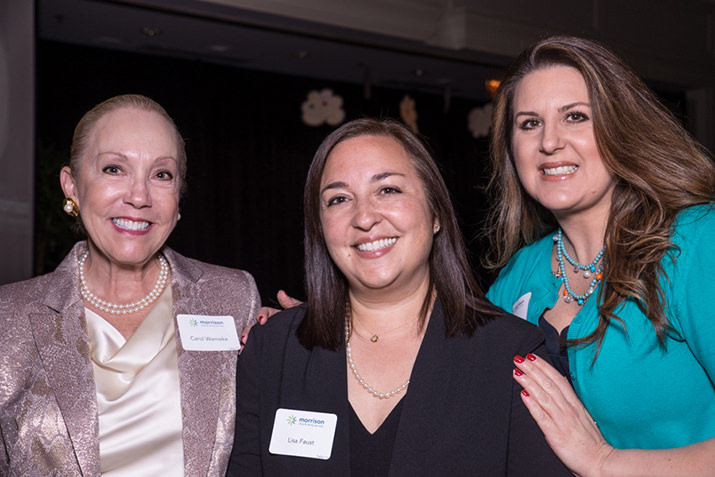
(396, 363)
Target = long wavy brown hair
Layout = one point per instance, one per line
(658, 167)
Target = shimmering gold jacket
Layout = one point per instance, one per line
(48, 405)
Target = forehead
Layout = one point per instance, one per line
(556, 85)
(130, 127)
(368, 155)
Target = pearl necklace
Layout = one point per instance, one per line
(367, 387)
(588, 270)
(138, 305)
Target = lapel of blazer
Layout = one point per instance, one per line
(430, 378)
(327, 382)
(312, 380)
(60, 333)
(324, 390)
(203, 374)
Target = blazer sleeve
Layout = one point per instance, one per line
(529, 453)
(246, 455)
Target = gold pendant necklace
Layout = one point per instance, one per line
(374, 337)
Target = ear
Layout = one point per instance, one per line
(435, 227)
(68, 184)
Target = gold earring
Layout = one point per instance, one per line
(70, 207)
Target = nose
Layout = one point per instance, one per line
(366, 215)
(551, 140)
(139, 194)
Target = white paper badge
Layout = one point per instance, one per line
(208, 333)
(303, 433)
(521, 307)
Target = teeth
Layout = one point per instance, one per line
(559, 171)
(376, 245)
(130, 224)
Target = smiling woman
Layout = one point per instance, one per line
(100, 340)
(395, 326)
(603, 224)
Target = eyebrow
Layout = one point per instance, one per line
(560, 110)
(376, 178)
(124, 156)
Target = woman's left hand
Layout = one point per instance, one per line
(565, 422)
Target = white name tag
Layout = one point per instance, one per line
(303, 433)
(208, 333)
(521, 307)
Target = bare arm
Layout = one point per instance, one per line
(577, 441)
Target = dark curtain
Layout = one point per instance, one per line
(248, 152)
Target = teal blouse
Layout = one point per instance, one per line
(640, 394)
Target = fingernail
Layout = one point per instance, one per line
(525, 393)
(518, 359)
(531, 357)
(517, 372)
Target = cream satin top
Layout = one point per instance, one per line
(138, 395)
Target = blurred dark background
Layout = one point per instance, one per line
(234, 74)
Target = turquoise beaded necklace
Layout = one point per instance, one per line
(592, 269)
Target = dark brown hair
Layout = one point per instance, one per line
(658, 167)
(465, 307)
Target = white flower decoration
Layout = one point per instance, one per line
(480, 120)
(323, 107)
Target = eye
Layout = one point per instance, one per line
(164, 175)
(112, 170)
(529, 124)
(576, 117)
(390, 190)
(336, 200)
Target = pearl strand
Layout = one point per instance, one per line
(367, 387)
(129, 308)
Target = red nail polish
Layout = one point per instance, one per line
(518, 359)
(525, 393)
(531, 357)
(517, 372)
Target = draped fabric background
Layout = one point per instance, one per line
(248, 153)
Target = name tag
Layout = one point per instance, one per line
(303, 433)
(521, 307)
(208, 333)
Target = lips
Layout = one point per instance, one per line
(131, 225)
(376, 244)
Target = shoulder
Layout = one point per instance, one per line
(521, 266)
(503, 333)
(276, 337)
(693, 233)
(281, 325)
(508, 328)
(696, 220)
(211, 277)
(14, 297)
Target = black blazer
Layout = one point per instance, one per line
(462, 414)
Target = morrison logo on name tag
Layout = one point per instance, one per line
(208, 333)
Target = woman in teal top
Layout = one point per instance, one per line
(603, 228)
